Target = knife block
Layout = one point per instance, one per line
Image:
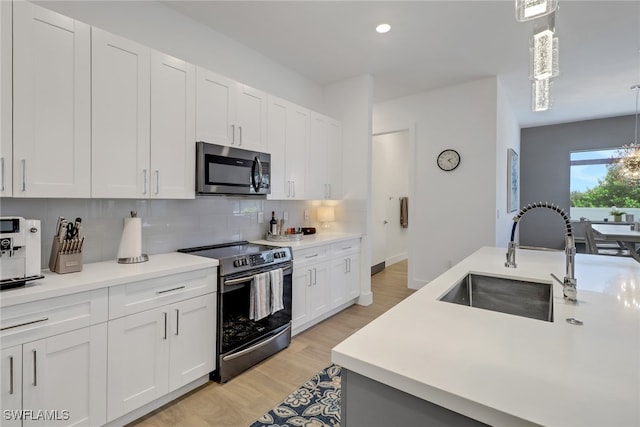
(61, 262)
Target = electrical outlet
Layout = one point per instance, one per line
(260, 217)
(285, 215)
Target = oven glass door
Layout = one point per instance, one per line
(237, 330)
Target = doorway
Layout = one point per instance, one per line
(390, 183)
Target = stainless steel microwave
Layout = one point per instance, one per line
(233, 171)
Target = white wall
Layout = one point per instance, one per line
(351, 102)
(507, 136)
(390, 181)
(454, 212)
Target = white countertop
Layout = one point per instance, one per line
(103, 274)
(509, 370)
(312, 240)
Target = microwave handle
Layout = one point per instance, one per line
(256, 184)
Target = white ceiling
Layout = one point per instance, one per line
(434, 44)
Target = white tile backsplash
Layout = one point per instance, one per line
(167, 224)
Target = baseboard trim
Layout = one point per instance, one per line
(377, 268)
(397, 258)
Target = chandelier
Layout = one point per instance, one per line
(630, 154)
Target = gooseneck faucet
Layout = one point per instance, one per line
(569, 282)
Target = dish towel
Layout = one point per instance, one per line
(404, 212)
(277, 302)
(260, 297)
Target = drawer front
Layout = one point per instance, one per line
(40, 319)
(310, 256)
(347, 247)
(143, 295)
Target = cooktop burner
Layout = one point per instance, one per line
(240, 256)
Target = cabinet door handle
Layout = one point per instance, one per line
(24, 175)
(170, 290)
(349, 259)
(177, 321)
(310, 278)
(157, 182)
(233, 134)
(144, 181)
(2, 165)
(10, 374)
(315, 277)
(346, 265)
(294, 188)
(35, 368)
(240, 130)
(311, 256)
(44, 319)
(165, 325)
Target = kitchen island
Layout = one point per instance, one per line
(429, 359)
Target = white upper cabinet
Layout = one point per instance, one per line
(215, 107)
(173, 144)
(251, 116)
(230, 113)
(51, 104)
(143, 121)
(121, 82)
(317, 171)
(6, 94)
(325, 148)
(334, 160)
(287, 141)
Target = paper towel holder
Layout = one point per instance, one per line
(136, 259)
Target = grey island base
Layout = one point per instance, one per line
(366, 402)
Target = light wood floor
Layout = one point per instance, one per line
(246, 397)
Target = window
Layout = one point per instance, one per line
(596, 186)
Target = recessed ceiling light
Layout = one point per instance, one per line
(383, 28)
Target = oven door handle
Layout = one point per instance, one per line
(256, 346)
(250, 278)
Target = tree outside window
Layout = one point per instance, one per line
(596, 182)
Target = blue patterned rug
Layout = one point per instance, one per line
(315, 404)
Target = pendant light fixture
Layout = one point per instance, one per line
(630, 153)
(527, 10)
(541, 95)
(543, 49)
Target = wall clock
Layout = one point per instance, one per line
(448, 160)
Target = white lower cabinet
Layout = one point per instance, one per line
(311, 296)
(56, 381)
(154, 352)
(345, 279)
(325, 278)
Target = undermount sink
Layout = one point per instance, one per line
(521, 298)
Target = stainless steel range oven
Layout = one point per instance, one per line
(242, 341)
